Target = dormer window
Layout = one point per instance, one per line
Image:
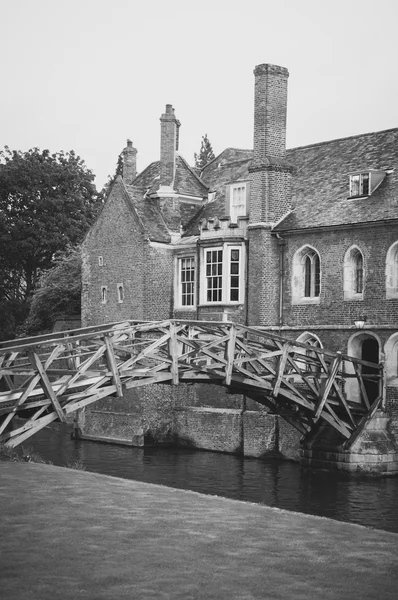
(359, 185)
(364, 184)
(237, 205)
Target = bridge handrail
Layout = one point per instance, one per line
(82, 333)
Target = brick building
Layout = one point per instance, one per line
(302, 241)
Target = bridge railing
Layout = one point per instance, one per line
(48, 377)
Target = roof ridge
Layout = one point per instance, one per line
(186, 163)
(348, 137)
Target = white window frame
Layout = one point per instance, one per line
(238, 210)
(299, 279)
(360, 177)
(178, 295)
(392, 271)
(120, 293)
(104, 294)
(350, 274)
(226, 275)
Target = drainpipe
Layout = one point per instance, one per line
(281, 245)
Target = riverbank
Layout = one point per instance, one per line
(71, 534)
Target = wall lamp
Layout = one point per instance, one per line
(360, 322)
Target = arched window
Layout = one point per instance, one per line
(311, 365)
(306, 281)
(120, 293)
(392, 272)
(353, 274)
(104, 291)
(391, 360)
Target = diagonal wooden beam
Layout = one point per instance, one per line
(328, 383)
(230, 355)
(46, 384)
(281, 369)
(111, 360)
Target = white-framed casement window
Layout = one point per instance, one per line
(306, 276)
(120, 293)
(104, 294)
(186, 279)
(222, 271)
(359, 185)
(238, 200)
(392, 271)
(354, 274)
(365, 183)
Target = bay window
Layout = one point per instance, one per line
(222, 275)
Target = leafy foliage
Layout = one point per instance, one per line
(206, 153)
(58, 292)
(47, 203)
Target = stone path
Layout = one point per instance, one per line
(73, 534)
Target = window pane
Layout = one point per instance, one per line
(214, 275)
(317, 267)
(354, 185)
(187, 278)
(358, 265)
(365, 184)
(307, 276)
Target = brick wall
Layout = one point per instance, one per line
(332, 308)
(159, 271)
(263, 277)
(117, 238)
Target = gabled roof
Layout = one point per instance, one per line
(229, 166)
(320, 187)
(186, 181)
(150, 215)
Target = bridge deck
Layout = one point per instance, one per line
(48, 377)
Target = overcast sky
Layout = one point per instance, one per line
(88, 74)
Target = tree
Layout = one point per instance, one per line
(57, 294)
(206, 153)
(47, 203)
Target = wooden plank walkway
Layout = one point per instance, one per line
(48, 377)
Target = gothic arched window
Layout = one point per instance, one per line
(354, 274)
(306, 281)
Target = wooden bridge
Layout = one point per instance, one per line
(48, 377)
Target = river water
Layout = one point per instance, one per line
(372, 501)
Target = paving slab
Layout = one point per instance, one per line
(74, 534)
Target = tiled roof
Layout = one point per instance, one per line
(320, 187)
(150, 215)
(187, 181)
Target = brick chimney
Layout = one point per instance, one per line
(269, 193)
(169, 133)
(270, 178)
(129, 163)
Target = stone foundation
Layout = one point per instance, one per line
(375, 451)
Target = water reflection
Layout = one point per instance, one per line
(370, 502)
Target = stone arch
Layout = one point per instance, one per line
(392, 271)
(354, 274)
(306, 275)
(391, 360)
(359, 343)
